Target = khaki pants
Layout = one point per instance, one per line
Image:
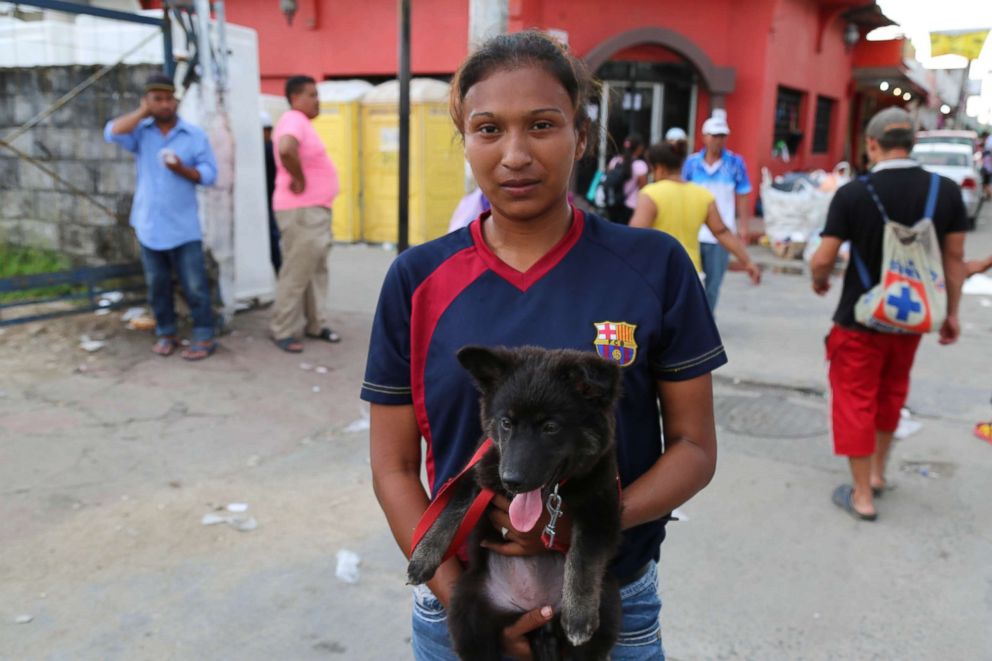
(301, 290)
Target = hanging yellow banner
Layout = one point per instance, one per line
(966, 44)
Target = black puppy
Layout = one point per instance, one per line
(550, 416)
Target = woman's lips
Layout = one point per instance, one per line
(519, 187)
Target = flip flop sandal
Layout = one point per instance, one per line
(289, 344)
(165, 346)
(326, 334)
(200, 350)
(842, 499)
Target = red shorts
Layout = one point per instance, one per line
(869, 381)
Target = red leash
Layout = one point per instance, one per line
(475, 510)
(473, 515)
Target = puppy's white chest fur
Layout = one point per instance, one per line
(523, 584)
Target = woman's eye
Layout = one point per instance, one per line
(488, 129)
(543, 125)
(551, 428)
(505, 424)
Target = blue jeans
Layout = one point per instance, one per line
(640, 631)
(715, 259)
(187, 261)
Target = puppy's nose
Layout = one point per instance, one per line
(511, 480)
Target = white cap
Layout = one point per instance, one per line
(717, 123)
(675, 134)
(266, 119)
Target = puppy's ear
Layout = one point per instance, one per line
(596, 379)
(487, 366)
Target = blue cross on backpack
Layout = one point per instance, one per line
(911, 295)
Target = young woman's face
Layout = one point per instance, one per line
(521, 140)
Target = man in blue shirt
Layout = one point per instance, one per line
(724, 174)
(173, 156)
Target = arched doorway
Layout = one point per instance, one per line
(652, 79)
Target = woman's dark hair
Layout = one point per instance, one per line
(631, 143)
(295, 85)
(667, 156)
(507, 52)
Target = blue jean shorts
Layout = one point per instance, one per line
(640, 631)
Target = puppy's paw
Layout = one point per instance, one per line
(422, 566)
(579, 623)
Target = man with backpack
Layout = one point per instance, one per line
(906, 229)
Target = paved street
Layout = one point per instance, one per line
(108, 462)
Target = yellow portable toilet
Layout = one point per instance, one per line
(339, 127)
(437, 161)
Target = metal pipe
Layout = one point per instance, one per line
(170, 60)
(75, 8)
(403, 229)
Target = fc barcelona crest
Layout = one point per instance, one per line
(615, 341)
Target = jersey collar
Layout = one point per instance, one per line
(524, 280)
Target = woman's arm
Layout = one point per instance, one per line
(733, 245)
(689, 460)
(394, 445)
(644, 212)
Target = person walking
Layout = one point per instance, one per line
(724, 174)
(173, 157)
(869, 370)
(535, 270)
(306, 185)
(672, 205)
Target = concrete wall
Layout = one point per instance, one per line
(37, 211)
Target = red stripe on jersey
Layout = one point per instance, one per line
(430, 300)
(523, 281)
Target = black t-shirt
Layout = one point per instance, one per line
(854, 217)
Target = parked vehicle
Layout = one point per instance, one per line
(954, 161)
(948, 136)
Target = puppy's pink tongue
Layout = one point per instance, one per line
(525, 510)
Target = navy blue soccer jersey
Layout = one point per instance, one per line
(632, 295)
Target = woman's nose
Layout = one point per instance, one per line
(516, 154)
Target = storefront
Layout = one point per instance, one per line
(782, 69)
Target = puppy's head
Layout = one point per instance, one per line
(549, 412)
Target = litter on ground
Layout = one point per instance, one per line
(87, 344)
(347, 569)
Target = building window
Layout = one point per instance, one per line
(821, 127)
(788, 129)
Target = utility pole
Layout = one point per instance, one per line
(404, 78)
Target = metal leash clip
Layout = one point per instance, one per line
(554, 509)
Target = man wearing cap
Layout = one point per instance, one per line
(306, 185)
(869, 370)
(724, 174)
(173, 157)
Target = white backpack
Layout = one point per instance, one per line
(911, 296)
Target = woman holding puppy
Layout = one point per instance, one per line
(535, 271)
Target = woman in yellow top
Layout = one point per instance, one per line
(680, 209)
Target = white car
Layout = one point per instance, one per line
(956, 162)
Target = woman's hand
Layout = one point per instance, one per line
(515, 636)
(753, 272)
(520, 543)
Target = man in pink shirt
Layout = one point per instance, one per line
(306, 185)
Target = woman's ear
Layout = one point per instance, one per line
(581, 142)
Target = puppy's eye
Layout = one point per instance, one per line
(551, 427)
(505, 424)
